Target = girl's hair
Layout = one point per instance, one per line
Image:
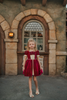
(31, 40)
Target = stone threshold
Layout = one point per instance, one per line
(64, 74)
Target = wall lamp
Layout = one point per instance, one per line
(11, 34)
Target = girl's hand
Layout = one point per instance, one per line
(41, 68)
(23, 68)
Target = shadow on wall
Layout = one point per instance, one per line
(39, 1)
(13, 0)
(55, 1)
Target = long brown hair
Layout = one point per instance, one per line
(31, 40)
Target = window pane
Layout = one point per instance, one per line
(34, 39)
(26, 40)
(25, 46)
(33, 34)
(40, 47)
(39, 40)
(39, 34)
(26, 34)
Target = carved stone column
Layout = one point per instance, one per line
(1, 1)
(64, 2)
(23, 2)
(44, 2)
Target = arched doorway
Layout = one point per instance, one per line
(45, 45)
(2, 52)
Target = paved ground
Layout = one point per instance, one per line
(16, 88)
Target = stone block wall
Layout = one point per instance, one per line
(11, 59)
(57, 49)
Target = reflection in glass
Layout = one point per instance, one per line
(26, 40)
(40, 47)
(39, 34)
(40, 40)
(34, 39)
(33, 34)
(26, 34)
(25, 46)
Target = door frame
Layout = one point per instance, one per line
(2, 52)
(19, 44)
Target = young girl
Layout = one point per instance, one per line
(31, 65)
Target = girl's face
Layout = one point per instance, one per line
(31, 45)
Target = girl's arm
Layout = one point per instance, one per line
(37, 52)
(39, 62)
(25, 57)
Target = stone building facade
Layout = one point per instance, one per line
(13, 16)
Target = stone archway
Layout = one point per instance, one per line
(52, 36)
(10, 49)
(13, 42)
(4, 26)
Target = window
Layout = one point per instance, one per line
(66, 39)
(66, 5)
(66, 30)
(34, 29)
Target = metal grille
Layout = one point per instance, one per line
(33, 26)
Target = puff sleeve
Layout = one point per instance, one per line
(37, 52)
(25, 53)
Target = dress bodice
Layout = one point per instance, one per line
(32, 57)
(32, 54)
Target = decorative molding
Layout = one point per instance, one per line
(41, 53)
(61, 53)
(52, 41)
(10, 40)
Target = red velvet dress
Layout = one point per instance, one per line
(29, 64)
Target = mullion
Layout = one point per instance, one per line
(36, 37)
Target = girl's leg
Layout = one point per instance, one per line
(36, 83)
(30, 85)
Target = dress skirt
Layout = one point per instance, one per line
(32, 67)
